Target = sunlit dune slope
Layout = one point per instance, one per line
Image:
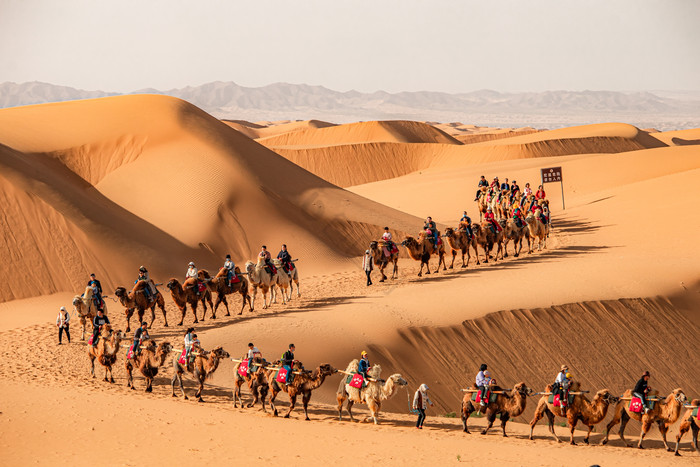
(129, 180)
(266, 129)
(679, 138)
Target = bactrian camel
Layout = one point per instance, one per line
(256, 380)
(508, 404)
(188, 293)
(689, 422)
(204, 365)
(137, 300)
(421, 249)
(303, 383)
(664, 414)
(105, 352)
(148, 361)
(589, 412)
(537, 230)
(373, 394)
(487, 238)
(381, 260)
(283, 283)
(260, 278)
(459, 240)
(85, 307)
(516, 234)
(219, 285)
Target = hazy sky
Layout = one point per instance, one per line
(405, 45)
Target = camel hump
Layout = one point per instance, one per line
(353, 366)
(190, 281)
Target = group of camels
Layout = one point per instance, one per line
(484, 235)
(194, 291)
(507, 404)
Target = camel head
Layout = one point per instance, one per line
(398, 379)
(327, 369)
(449, 231)
(522, 389)
(77, 301)
(679, 396)
(172, 283)
(410, 242)
(166, 347)
(606, 396)
(373, 246)
(220, 353)
(250, 267)
(120, 292)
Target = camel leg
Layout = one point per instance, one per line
(349, 407)
(615, 420)
(588, 435)
(211, 305)
(92, 366)
(296, 281)
(505, 248)
(161, 305)
(646, 425)
(623, 422)
(505, 416)
(194, 311)
(466, 250)
(222, 298)
(685, 426)
(265, 299)
(178, 376)
(373, 409)
(467, 410)
(663, 428)
(275, 391)
(305, 398)
(200, 390)
(539, 413)
(490, 418)
(340, 398)
(454, 255)
(129, 376)
(237, 394)
(149, 384)
(572, 424)
(263, 395)
(153, 315)
(476, 253)
(129, 314)
(550, 421)
(292, 403)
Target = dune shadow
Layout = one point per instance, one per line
(575, 225)
(685, 142)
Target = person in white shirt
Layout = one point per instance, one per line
(388, 239)
(367, 266)
(253, 352)
(482, 379)
(230, 269)
(420, 403)
(63, 323)
(561, 387)
(191, 271)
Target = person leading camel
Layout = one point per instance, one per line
(285, 258)
(430, 225)
(367, 266)
(420, 403)
(482, 183)
(140, 335)
(62, 321)
(97, 323)
(641, 390)
(97, 290)
(287, 360)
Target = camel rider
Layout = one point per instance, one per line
(149, 291)
(489, 217)
(540, 193)
(482, 183)
(518, 216)
(641, 390)
(534, 208)
(140, 335)
(287, 361)
(253, 352)
(495, 185)
(189, 340)
(514, 189)
(481, 382)
(363, 365)
(505, 186)
(466, 223)
(97, 323)
(527, 192)
(430, 225)
(96, 290)
(268, 260)
(561, 387)
(230, 270)
(285, 258)
(191, 271)
(388, 239)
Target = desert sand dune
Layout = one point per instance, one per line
(267, 129)
(679, 138)
(137, 173)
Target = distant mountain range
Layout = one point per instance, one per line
(281, 101)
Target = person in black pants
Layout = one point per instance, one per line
(367, 266)
(97, 323)
(420, 403)
(641, 389)
(62, 321)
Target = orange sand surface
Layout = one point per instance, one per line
(109, 184)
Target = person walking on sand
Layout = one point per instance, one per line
(62, 321)
(420, 403)
(367, 266)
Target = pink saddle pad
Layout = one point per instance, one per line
(356, 381)
(243, 368)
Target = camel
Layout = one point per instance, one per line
(688, 422)
(664, 414)
(136, 299)
(373, 394)
(219, 285)
(257, 383)
(303, 383)
(204, 366)
(504, 206)
(148, 362)
(85, 307)
(261, 279)
(482, 202)
(458, 240)
(537, 230)
(105, 351)
(493, 201)
(516, 234)
(185, 293)
(589, 412)
(508, 405)
(294, 279)
(382, 260)
(283, 282)
(421, 249)
(487, 238)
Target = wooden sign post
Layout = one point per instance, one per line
(553, 174)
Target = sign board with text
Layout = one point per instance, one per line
(551, 174)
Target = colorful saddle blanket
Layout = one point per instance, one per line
(554, 399)
(476, 397)
(243, 368)
(281, 375)
(181, 360)
(130, 352)
(636, 405)
(356, 381)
